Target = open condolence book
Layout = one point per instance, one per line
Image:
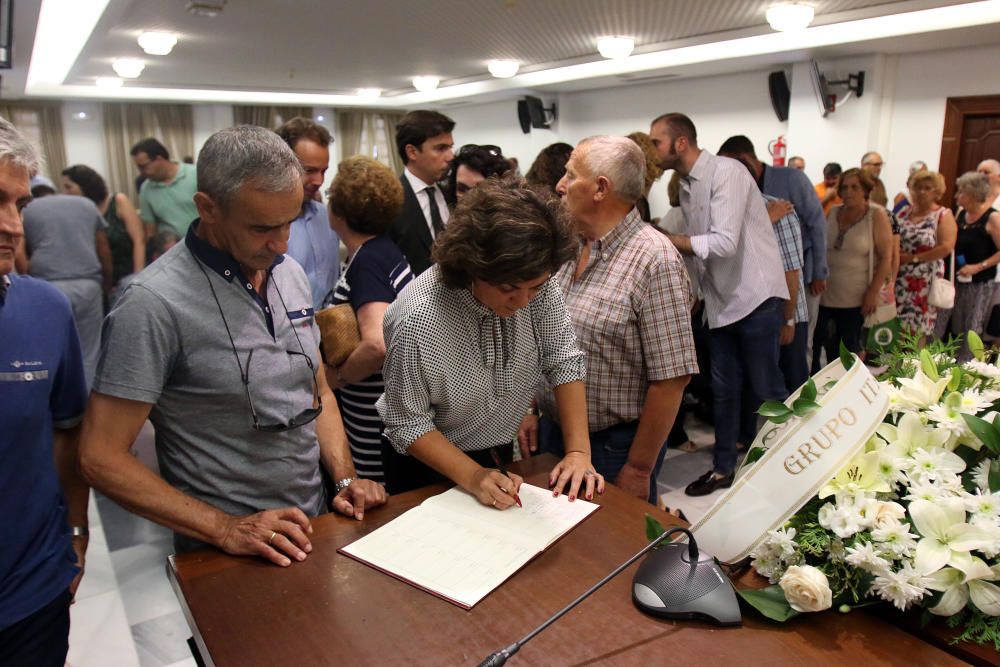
(454, 547)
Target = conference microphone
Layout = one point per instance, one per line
(500, 657)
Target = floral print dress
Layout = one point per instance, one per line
(913, 284)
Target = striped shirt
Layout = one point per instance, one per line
(452, 365)
(731, 236)
(631, 312)
(375, 274)
(788, 231)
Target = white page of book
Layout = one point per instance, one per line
(456, 547)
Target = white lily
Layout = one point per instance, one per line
(920, 391)
(958, 585)
(862, 475)
(947, 538)
(911, 433)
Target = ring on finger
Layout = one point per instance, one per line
(494, 502)
(273, 533)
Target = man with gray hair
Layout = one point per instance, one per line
(991, 168)
(628, 298)
(43, 499)
(216, 344)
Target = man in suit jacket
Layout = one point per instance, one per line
(793, 186)
(424, 142)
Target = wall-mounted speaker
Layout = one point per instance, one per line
(524, 116)
(532, 112)
(777, 85)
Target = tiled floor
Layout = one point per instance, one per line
(126, 614)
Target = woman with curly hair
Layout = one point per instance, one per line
(548, 168)
(365, 198)
(653, 173)
(468, 343)
(928, 234)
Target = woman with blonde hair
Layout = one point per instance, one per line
(927, 236)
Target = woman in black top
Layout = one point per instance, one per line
(977, 253)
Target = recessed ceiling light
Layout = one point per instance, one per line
(790, 16)
(425, 84)
(80, 115)
(320, 118)
(369, 92)
(615, 47)
(157, 43)
(128, 68)
(108, 82)
(503, 69)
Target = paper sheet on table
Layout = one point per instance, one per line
(458, 549)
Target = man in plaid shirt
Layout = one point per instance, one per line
(628, 296)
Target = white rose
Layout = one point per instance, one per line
(885, 515)
(806, 588)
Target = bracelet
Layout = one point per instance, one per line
(343, 483)
(79, 531)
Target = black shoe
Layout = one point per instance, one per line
(708, 483)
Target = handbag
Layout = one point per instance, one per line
(883, 323)
(942, 294)
(339, 333)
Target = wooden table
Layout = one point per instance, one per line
(332, 610)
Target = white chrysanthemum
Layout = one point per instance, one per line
(901, 588)
(931, 464)
(974, 402)
(896, 540)
(866, 557)
(930, 491)
(844, 520)
(783, 540)
(985, 505)
(981, 474)
(948, 419)
(983, 369)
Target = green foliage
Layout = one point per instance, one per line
(846, 356)
(770, 602)
(985, 431)
(754, 455)
(779, 413)
(977, 627)
(927, 365)
(653, 528)
(976, 345)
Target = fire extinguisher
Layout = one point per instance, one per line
(778, 149)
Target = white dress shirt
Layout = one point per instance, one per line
(419, 188)
(738, 258)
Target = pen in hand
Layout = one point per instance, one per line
(503, 471)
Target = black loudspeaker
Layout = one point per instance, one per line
(524, 116)
(777, 85)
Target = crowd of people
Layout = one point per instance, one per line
(548, 313)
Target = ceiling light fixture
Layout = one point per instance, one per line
(615, 47)
(426, 84)
(503, 69)
(790, 16)
(80, 115)
(369, 92)
(128, 68)
(320, 118)
(207, 8)
(108, 82)
(157, 43)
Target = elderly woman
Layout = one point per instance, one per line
(927, 235)
(365, 198)
(125, 233)
(859, 254)
(468, 343)
(977, 252)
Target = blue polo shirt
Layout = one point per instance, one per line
(41, 388)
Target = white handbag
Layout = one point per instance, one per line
(942, 294)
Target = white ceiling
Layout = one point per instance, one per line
(322, 50)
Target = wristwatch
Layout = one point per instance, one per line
(343, 483)
(80, 531)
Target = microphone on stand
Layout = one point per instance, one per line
(500, 657)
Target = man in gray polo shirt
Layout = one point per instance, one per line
(215, 342)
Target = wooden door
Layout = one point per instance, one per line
(971, 134)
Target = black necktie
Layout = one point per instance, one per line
(436, 223)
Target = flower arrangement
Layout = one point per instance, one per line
(914, 519)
